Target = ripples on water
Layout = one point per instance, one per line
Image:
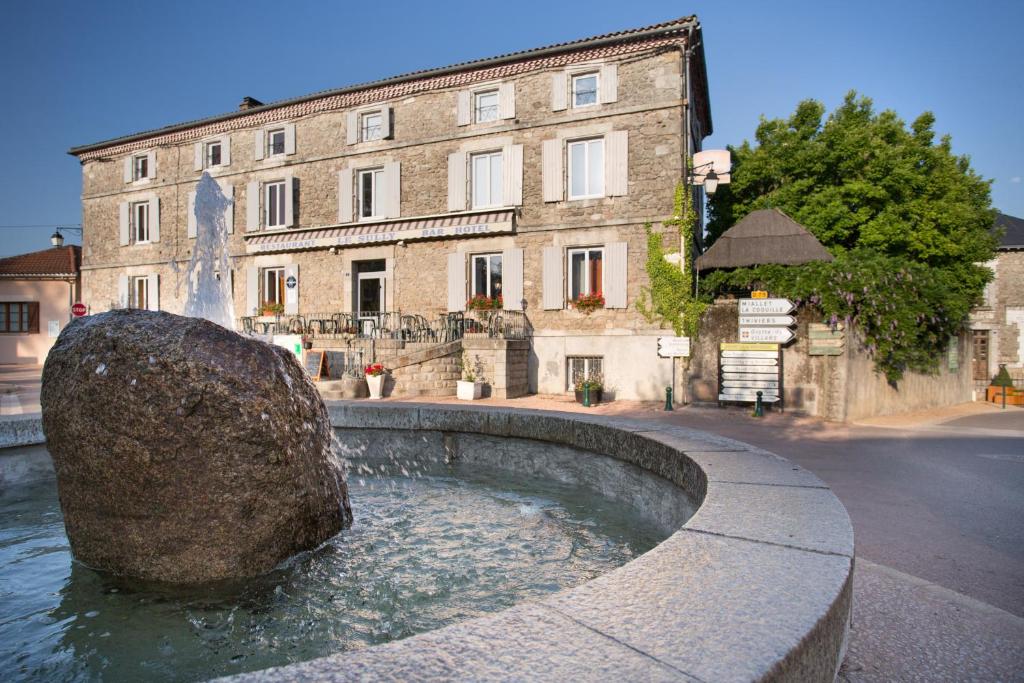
(425, 551)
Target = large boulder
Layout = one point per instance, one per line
(185, 452)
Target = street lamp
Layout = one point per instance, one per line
(710, 169)
(57, 239)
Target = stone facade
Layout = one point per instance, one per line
(652, 107)
(998, 324)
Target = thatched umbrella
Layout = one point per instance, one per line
(763, 236)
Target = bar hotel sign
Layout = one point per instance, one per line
(377, 234)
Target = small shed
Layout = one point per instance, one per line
(763, 236)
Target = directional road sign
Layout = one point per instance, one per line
(766, 306)
(767, 320)
(777, 335)
(674, 346)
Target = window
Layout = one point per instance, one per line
(485, 107)
(275, 142)
(140, 222)
(19, 317)
(586, 168)
(140, 166)
(138, 292)
(486, 275)
(271, 287)
(213, 154)
(586, 272)
(580, 368)
(275, 204)
(371, 126)
(584, 90)
(369, 188)
(486, 180)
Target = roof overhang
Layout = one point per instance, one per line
(447, 226)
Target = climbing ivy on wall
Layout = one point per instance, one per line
(670, 297)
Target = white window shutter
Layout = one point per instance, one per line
(291, 186)
(252, 206)
(193, 225)
(128, 169)
(352, 128)
(464, 108)
(122, 291)
(151, 165)
(615, 275)
(291, 294)
(507, 100)
(387, 115)
(554, 280)
(252, 290)
(559, 91)
(345, 195)
(609, 83)
(228, 190)
(392, 189)
(512, 279)
(197, 164)
(456, 281)
(154, 292)
(457, 183)
(289, 138)
(554, 182)
(123, 223)
(225, 150)
(259, 143)
(154, 219)
(616, 163)
(512, 175)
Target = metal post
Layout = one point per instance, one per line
(586, 394)
(1004, 397)
(759, 406)
(668, 398)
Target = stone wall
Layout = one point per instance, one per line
(502, 363)
(842, 388)
(1002, 315)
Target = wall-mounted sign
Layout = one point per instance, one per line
(669, 347)
(759, 294)
(766, 306)
(825, 341)
(291, 282)
(53, 328)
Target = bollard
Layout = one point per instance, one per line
(759, 406)
(586, 395)
(1004, 397)
(668, 398)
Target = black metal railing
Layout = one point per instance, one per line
(443, 328)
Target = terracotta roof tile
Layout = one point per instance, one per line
(56, 262)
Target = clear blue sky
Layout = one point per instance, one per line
(79, 72)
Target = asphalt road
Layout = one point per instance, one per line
(944, 502)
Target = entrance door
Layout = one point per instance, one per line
(979, 355)
(370, 294)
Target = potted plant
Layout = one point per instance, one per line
(272, 309)
(1001, 389)
(375, 373)
(469, 388)
(587, 303)
(484, 303)
(593, 384)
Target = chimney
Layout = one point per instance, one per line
(249, 103)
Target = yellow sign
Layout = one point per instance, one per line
(748, 346)
(759, 294)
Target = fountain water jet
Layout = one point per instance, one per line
(209, 290)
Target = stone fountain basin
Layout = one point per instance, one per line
(756, 585)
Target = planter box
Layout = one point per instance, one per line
(469, 391)
(595, 397)
(376, 385)
(1014, 397)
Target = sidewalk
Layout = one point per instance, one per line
(19, 389)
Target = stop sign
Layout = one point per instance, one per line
(78, 310)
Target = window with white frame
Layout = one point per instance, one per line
(371, 126)
(584, 89)
(271, 287)
(486, 275)
(274, 204)
(486, 179)
(586, 168)
(138, 292)
(140, 167)
(580, 368)
(140, 222)
(586, 272)
(368, 190)
(485, 106)
(275, 142)
(213, 154)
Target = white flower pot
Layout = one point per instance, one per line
(469, 391)
(376, 384)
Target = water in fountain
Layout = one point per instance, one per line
(209, 288)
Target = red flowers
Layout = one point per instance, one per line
(484, 303)
(586, 303)
(374, 369)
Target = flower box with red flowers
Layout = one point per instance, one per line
(484, 303)
(587, 303)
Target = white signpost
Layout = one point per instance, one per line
(766, 306)
(746, 368)
(674, 347)
(767, 320)
(772, 335)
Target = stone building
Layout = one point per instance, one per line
(529, 176)
(997, 326)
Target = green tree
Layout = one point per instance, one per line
(884, 199)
